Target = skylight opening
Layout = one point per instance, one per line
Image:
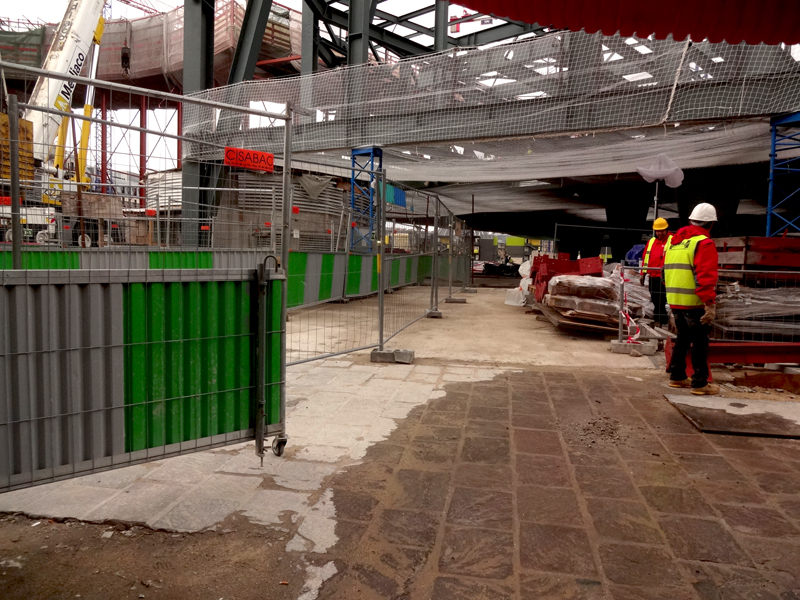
(549, 70)
(508, 55)
(495, 82)
(647, 84)
(631, 41)
(457, 149)
(643, 50)
(406, 151)
(533, 95)
(611, 57)
(637, 76)
(489, 74)
(605, 47)
(706, 76)
(693, 66)
(545, 60)
(531, 183)
(717, 59)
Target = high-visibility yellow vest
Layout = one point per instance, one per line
(679, 276)
(652, 241)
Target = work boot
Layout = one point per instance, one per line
(681, 383)
(708, 389)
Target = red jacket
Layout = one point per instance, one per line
(656, 258)
(706, 263)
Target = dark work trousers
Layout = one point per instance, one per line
(692, 334)
(658, 295)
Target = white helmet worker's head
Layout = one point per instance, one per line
(703, 215)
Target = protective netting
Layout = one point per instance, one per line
(568, 82)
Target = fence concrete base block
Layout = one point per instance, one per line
(405, 357)
(645, 349)
(434, 314)
(469, 291)
(455, 300)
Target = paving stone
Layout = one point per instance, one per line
(548, 471)
(641, 446)
(639, 565)
(365, 477)
(477, 553)
(748, 460)
(758, 521)
(354, 506)
(648, 473)
(735, 442)
(493, 429)
(791, 508)
(709, 467)
(434, 433)
(668, 422)
(448, 404)
(719, 582)
(534, 422)
(477, 475)
(526, 407)
(731, 491)
(140, 502)
(550, 586)
(623, 521)
(403, 563)
(780, 558)
(778, 483)
(623, 592)
(481, 508)
(71, 501)
(190, 468)
(673, 500)
(488, 414)
(687, 443)
(444, 419)
(407, 528)
(555, 548)
(598, 456)
(453, 588)
(420, 490)
(485, 450)
(196, 513)
(604, 482)
(537, 442)
(383, 585)
(701, 539)
(350, 534)
(490, 400)
(431, 455)
(556, 506)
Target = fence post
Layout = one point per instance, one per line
(434, 312)
(621, 306)
(381, 240)
(13, 139)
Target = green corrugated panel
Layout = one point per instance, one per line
(181, 260)
(424, 268)
(409, 264)
(374, 286)
(394, 278)
(56, 260)
(295, 295)
(354, 275)
(326, 277)
(274, 325)
(187, 361)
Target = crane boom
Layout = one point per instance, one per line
(68, 53)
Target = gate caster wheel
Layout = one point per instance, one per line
(278, 445)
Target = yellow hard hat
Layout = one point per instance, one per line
(660, 224)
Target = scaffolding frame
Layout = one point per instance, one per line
(363, 162)
(784, 174)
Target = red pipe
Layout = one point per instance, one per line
(104, 141)
(180, 133)
(142, 152)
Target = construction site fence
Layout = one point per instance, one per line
(102, 368)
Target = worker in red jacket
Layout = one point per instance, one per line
(690, 276)
(654, 258)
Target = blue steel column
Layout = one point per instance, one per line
(771, 180)
(198, 74)
(363, 163)
(440, 25)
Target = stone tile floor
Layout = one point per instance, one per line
(554, 484)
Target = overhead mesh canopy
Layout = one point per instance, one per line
(562, 83)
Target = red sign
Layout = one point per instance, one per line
(5, 200)
(250, 159)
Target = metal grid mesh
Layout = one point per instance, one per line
(565, 82)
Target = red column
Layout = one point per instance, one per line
(142, 152)
(180, 134)
(104, 140)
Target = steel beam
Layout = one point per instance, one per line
(390, 19)
(142, 152)
(403, 19)
(359, 18)
(440, 29)
(309, 51)
(251, 35)
(394, 42)
(499, 33)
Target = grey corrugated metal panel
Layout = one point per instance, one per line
(61, 371)
(239, 259)
(339, 276)
(106, 276)
(114, 259)
(312, 278)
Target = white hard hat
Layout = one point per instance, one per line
(703, 212)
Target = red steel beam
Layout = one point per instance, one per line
(749, 353)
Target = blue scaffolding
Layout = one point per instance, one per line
(784, 175)
(365, 164)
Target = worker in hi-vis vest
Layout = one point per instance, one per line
(654, 258)
(690, 276)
